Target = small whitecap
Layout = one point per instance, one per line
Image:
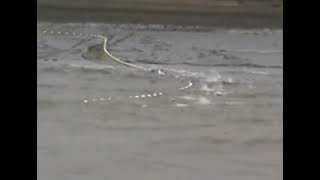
(188, 98)
(206, 88)
(251, 87)
(203, 101)
(230, 80)
(161, 72)
(181, 105)
(234, 102)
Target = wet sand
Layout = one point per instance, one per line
(228, 125)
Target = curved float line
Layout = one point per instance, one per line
(186, 87)
(117, 59)
(132, 65)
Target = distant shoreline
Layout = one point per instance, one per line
(258, 16)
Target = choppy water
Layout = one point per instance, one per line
(101, 120)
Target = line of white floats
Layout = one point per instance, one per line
(131, 97)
